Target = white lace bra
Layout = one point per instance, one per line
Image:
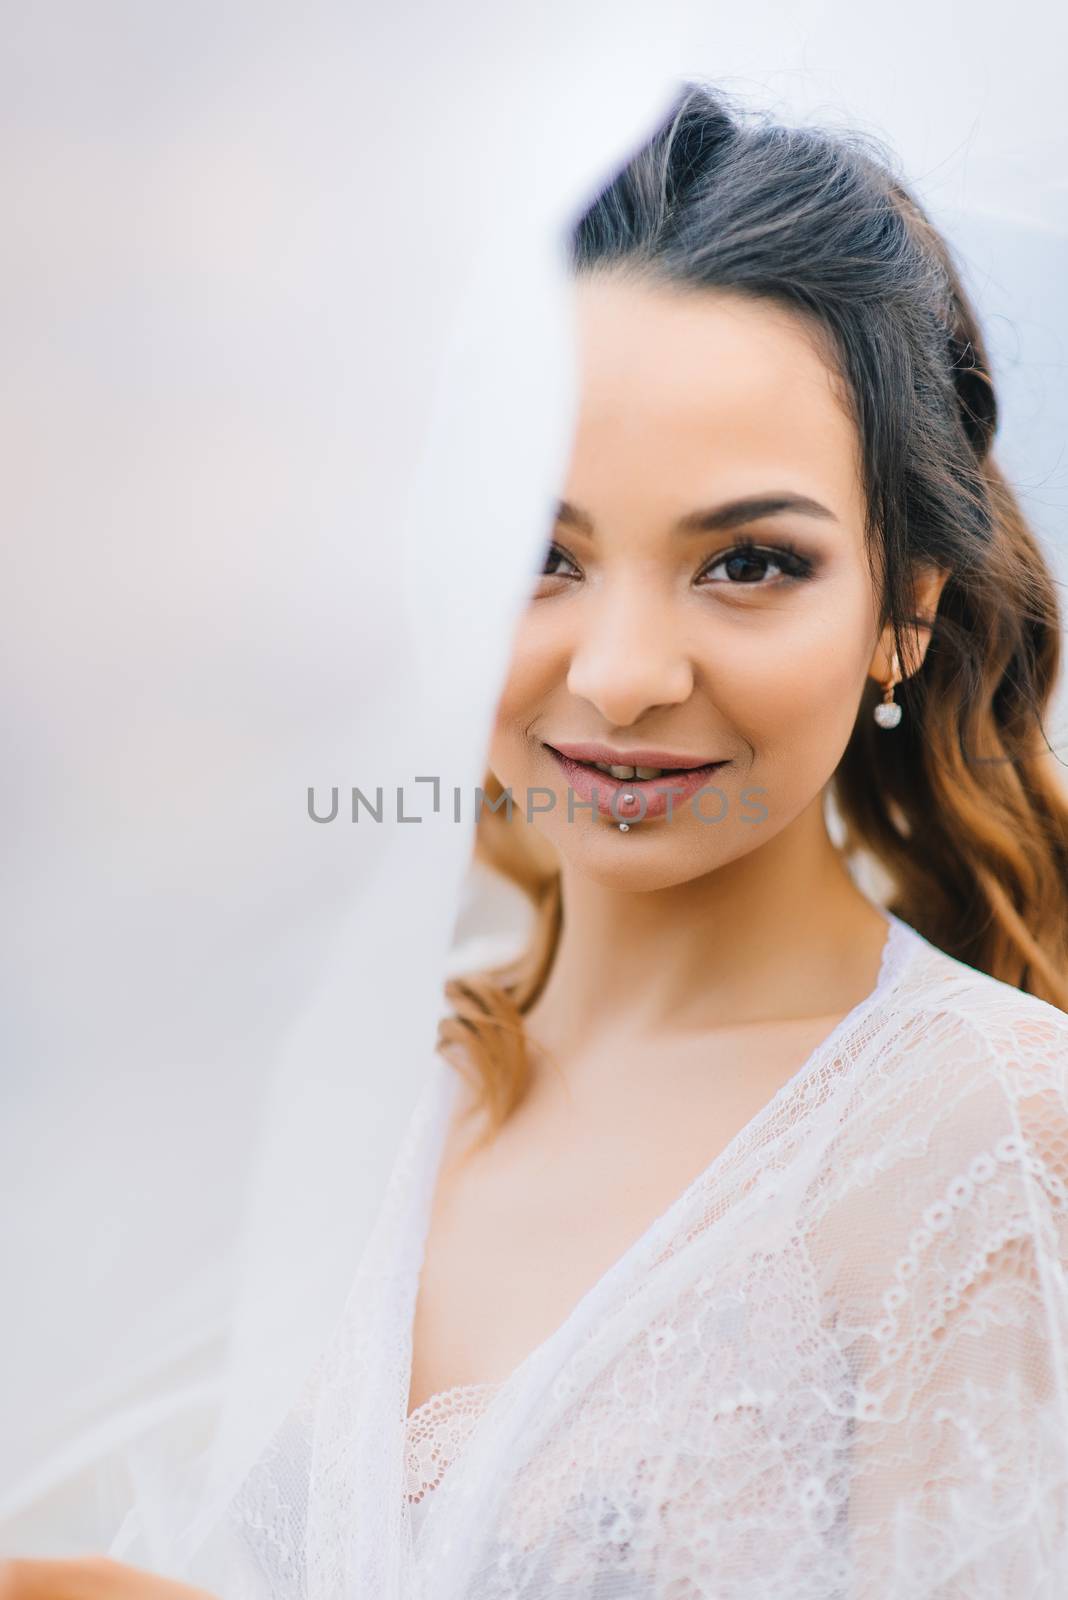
(437, 1431)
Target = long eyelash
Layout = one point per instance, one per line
(793, 561)
(554, 549)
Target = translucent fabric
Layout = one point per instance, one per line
(288, 391)
(836, 1365)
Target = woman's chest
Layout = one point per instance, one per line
(518, 1236)
(660, 1433)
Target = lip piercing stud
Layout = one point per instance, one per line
(628, 799)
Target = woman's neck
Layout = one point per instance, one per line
(778, 934)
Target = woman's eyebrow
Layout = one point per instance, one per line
(713, 519)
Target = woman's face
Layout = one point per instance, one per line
(706, 422)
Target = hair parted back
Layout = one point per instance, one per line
(961, 804)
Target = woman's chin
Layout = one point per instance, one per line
(656, 858)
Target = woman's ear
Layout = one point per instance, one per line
(928, 583)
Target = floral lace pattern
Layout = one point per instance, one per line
(835, 1369)
(437, 1430)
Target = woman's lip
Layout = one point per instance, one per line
(606, 791)
(633, 758)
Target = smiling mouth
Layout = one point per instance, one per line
(625, 773)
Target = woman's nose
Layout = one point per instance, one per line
(629, 656)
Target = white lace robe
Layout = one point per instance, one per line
(836, 1366)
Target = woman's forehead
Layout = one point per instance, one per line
(683, 388)
(639, 320)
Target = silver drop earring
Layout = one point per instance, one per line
(888, 713)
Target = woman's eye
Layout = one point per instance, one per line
(747, 565)
(750, 565)
(555, 554)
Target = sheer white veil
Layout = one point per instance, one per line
(288, 392)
